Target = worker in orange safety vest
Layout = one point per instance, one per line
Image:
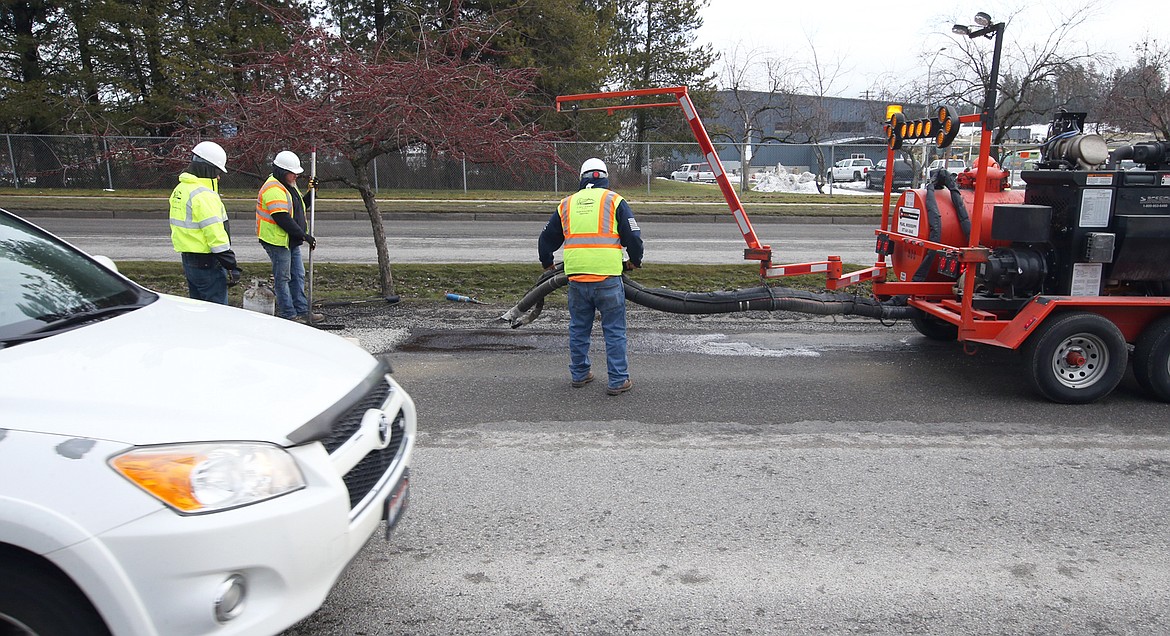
(593, 225)
(281, 229)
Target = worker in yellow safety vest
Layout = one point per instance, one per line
(281, 228)
(593, 225)
(199, 226)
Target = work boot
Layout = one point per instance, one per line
(583, 381)
(621, 388)
(310, 318)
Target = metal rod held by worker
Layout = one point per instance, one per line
(312, 223)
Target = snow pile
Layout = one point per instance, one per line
(784, 181)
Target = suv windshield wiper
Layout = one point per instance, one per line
(70, 321)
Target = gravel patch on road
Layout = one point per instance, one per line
(382, 327)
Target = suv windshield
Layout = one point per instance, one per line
(47, 287)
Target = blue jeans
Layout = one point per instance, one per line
(206, 278)
(585, 300)
(288, 280)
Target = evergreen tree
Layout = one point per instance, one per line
(30, 30)
(656, 48)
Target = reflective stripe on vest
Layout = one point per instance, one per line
(592, 244)
(273, 198)
(197, 217)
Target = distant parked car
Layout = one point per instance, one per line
(903, 175)
(849, 170)
(954, 166)
(693, 172)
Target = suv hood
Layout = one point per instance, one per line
(178, 370)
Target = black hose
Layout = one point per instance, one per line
(532, 303)
(1117, 156)
(942, 179)
(755, 299)
(763, 299)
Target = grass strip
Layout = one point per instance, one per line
(494, 283)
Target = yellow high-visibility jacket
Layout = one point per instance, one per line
(198, 216)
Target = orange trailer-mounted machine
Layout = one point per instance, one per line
(1072, 270)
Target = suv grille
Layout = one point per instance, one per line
(350, 421)
(363, 477)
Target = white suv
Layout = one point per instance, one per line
(169, 466)
(693, 172)
(849, 170)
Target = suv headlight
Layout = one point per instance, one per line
(203, 478)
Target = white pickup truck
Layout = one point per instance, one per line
(853, 169)
(693, 172)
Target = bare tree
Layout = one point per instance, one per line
(1028, 69)
(756, 84)
(1139, 96)
(811, 114)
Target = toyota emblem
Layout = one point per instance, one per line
(383, 431)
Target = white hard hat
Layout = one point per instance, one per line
(212, 153)
(289, 161)
(594, 165)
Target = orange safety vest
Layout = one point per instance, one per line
(273, 199)
(593, 248)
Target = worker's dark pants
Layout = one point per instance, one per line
(288, 277)
(206, 278)
(585, 300)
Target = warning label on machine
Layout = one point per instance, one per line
(1086, 279)
(1095, 207)
(908, 221)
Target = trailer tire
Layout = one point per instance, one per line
(935, 328)
(1075, 358)
(1151, 359)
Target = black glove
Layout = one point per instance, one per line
(234, 277)
(313, 183)
(311, 241)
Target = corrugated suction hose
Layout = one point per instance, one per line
(754, 299)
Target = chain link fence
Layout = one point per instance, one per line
(121, 163)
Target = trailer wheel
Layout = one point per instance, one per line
(1151, 359)
(1075, 358)
(935, 328)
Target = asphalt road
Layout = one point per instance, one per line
(765, 475)
(431, 241)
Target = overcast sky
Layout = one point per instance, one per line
(871, 38)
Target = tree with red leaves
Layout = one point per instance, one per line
(362, 104)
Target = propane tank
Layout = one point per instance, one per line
(260, 298)
(911, 218)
